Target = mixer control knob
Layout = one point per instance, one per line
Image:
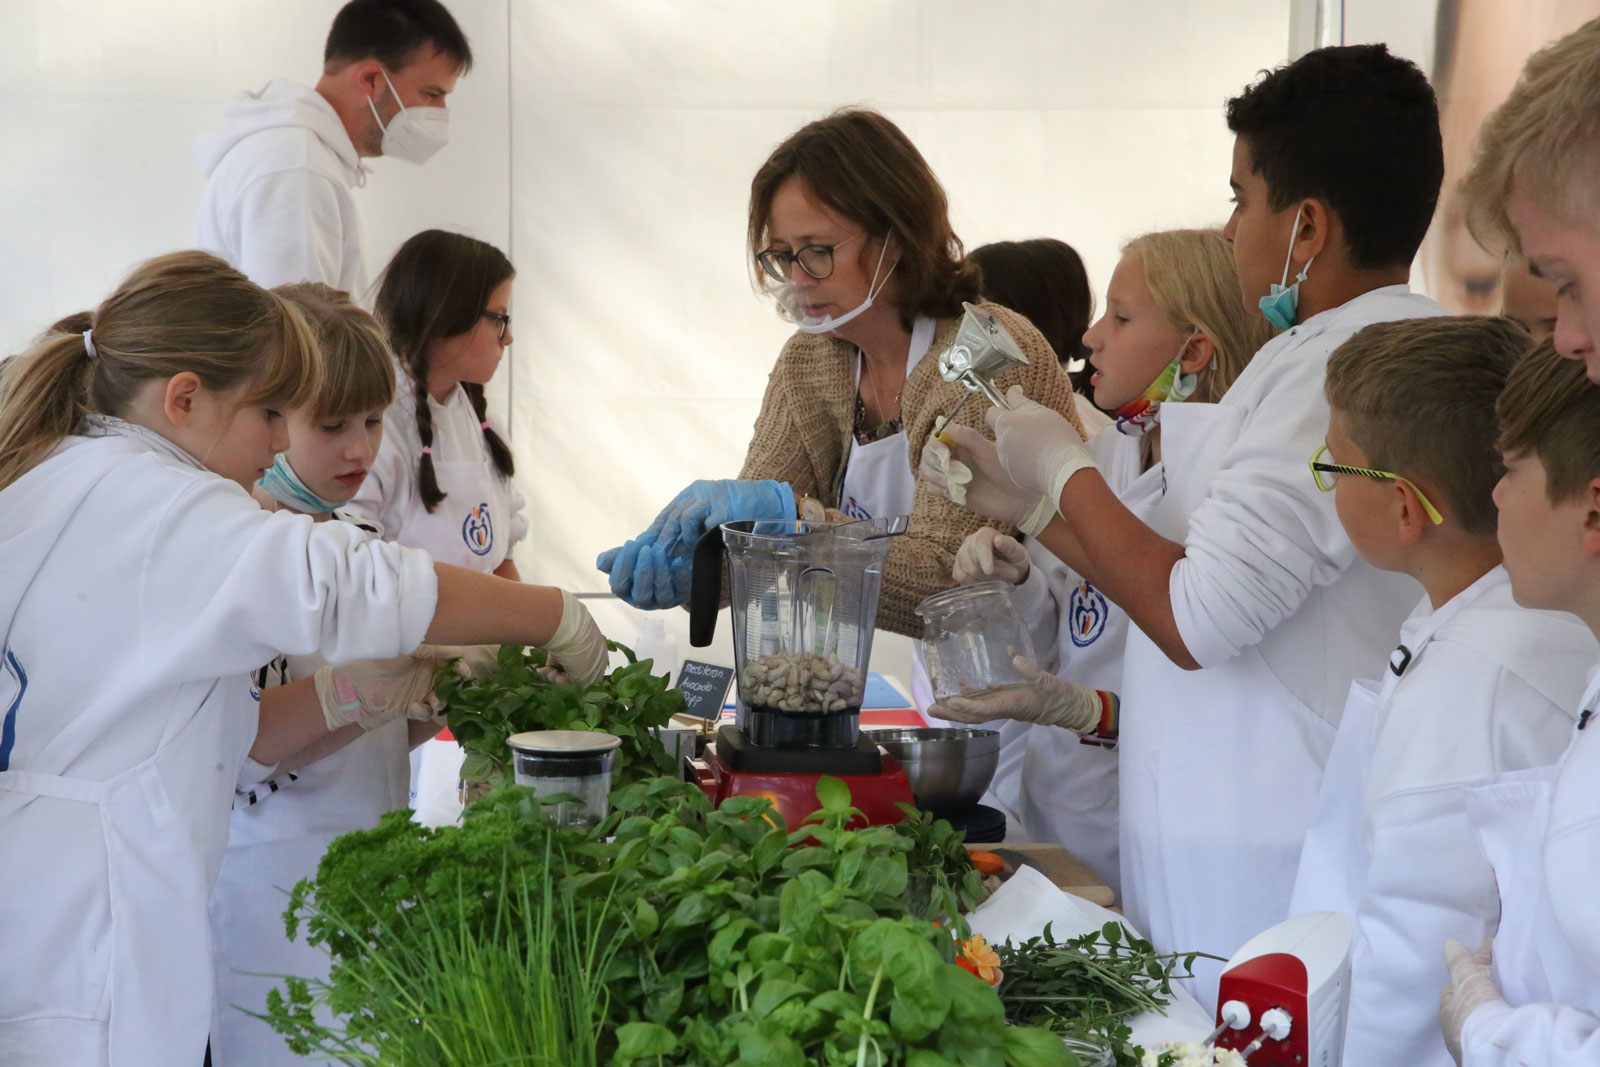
(1276, 1023)
(1236, 1014)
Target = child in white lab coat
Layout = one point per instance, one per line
(1241, 570)
(442, 481)
(140, 588)
(1476, 685)
(284, 817)
(1532, 996)
(1173, 331)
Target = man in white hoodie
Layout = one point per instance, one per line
(280, 173)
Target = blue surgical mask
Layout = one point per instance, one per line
(284, 485)
(1282, 304)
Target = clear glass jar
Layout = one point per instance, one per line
(970, 635)
(566, 761)
(1090, 1053)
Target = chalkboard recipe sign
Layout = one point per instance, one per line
(704, 687)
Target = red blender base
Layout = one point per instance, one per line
(795, 795)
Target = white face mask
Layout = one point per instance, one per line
(415, 133)
(794, 305)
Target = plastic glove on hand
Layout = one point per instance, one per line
(578, 646)
(469, 661)
(1046, 699)
(1470, 988)
(990, 491)
(707, 504)
(1038, 447)
(648, 575)
(987, 555)
(941, 473)
(372, 692)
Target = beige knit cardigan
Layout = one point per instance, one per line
(806, 425)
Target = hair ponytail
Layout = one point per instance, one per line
(45, 397)
(187, 311)
(427, 478)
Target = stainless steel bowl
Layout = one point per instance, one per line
(949, 767)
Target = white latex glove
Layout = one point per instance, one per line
(470, 661)
(578, 647)
(988, 555)
(372, 692)
(1470, 988)
(1038, 447)
(1046, 699)
(970, 460)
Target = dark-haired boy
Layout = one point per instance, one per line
(1538, 1001)
(1477, 686)
(278, 201)
(1252, 612)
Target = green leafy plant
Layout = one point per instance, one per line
(729, 938)
(517, 982)
(483, 713)
(1089, 986)
(943, 881)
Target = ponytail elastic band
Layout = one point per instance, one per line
(426, 451)
(88, 344)
(484, 424)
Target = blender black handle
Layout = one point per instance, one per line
(705, 588)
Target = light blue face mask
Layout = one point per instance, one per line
(1281, 305)
(284, 485)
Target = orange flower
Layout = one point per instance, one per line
(977, 957)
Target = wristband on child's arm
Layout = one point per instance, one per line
(1104, 735)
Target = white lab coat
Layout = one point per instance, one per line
(476, 526)
(1541, 830)
(1483, 687)
(1067, 790)
(279, 830)
(1220, 767)
(277, 203)
(482, 515)
(122, 553)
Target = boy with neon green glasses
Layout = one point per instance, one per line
(1477, 685)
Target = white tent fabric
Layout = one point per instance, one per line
(608, 146)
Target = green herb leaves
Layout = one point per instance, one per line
(630, 702)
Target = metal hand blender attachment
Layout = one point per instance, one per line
(981, 352)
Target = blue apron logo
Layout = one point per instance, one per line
(1087, 615)
(13, 683)
(855, 510)
(478, 531)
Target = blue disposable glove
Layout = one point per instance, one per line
(653, 570)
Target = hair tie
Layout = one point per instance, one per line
(484, 424)
(426, 451)
(88, 344)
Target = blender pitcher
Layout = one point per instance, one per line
(804, 601)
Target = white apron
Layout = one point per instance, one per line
(1069, 789)
(470, 528)
(1535, 961)
(275, 843)
(1220, 767)
(121, 934)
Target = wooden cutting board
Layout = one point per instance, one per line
(1060, 866)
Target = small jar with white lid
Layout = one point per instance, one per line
(566, 761)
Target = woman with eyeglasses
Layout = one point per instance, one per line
(849, 232)
(442, 479)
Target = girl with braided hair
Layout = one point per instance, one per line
(442, 477)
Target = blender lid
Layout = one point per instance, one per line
(563, 742)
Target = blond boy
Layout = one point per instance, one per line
(1534, 186)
